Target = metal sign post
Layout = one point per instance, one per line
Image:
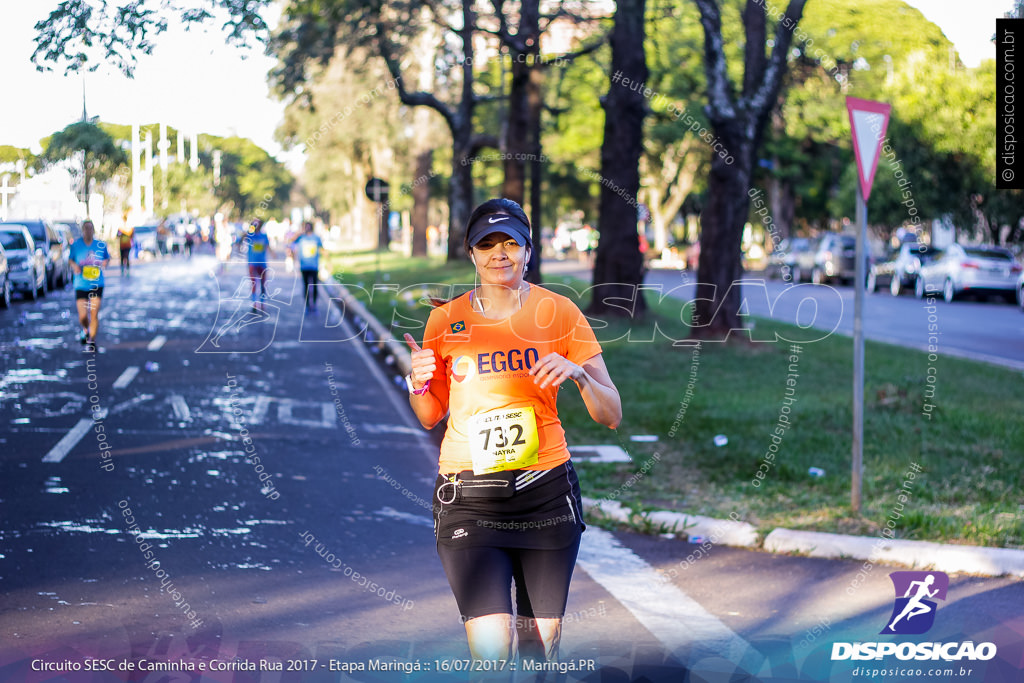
(377, 190)
(868, 122)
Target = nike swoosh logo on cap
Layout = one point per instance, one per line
(495, 219)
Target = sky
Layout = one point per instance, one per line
(195, 81)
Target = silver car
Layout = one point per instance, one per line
(26, 262)
(5, 275)
(964, 270)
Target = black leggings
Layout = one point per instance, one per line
(309, 286)
(481, 579)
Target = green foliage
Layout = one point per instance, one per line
(940, 129)
(352, 127)
(11, 155)
(103, 157)
(81, 35)
(252, 182)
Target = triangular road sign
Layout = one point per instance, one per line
(868, 121)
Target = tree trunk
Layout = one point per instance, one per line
(717, 304)
(618, 270)
(783, 206)
(523, 48)
(460, 201)
(535, 99)
(738, 123)
(421, 202)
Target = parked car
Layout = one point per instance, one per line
(58, 254)
(898, 271)
(73, 226)
(145, 238)
(783, 261)
(1020, 291)
(803, 261)
(833, 257)
(26, 261)
(970, 270)
(5, 276)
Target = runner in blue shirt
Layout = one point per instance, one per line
(88, 259)
(259, 247)
(307, 248)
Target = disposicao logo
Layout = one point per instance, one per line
(913, 612)
(463, 368)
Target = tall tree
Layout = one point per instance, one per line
(738, 121)
(101, 155)
(618, 268)
(79, 35)
(521, 138)
(390, 27)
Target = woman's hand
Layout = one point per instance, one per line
(554, 369)
(424, 363)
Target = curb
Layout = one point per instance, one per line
(968, 559)
(724, 531)
(384, 339)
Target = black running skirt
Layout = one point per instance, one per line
(539, 509)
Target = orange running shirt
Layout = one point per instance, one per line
(485, 365)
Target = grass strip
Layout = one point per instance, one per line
(968, 488)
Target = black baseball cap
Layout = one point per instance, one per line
(498, 222)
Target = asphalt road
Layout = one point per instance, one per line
(136, 525)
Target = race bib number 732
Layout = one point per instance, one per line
(503, 439)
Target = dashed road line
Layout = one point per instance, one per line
(70, 440)
(157, 343)
(126, 377)
(181, 410)
(259, 411)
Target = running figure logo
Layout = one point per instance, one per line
(242, 313)
(913, 612)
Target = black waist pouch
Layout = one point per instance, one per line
(465, 484)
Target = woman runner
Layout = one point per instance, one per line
(507, 505)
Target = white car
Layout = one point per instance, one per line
(26, 263)
(1020, 291)
(964, 270)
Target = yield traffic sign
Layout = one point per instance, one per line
(868, 121)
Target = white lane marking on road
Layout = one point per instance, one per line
(176, 322)
(181, 410)
(285, 406)
(673, 617)
(259, 411)
(385, 428)
(70, 440)
(418, 520)
(126, 377)
(124, 405)
(157, 343)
